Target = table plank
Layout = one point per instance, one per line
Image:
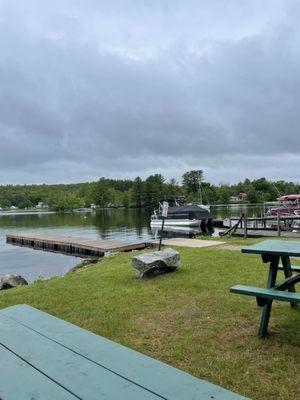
(275, 247)
(77, 374)
(20, 381)
(169, 382)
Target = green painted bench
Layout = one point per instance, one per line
(271, 252)
(294, 268)
(45, 358)
(270, 294)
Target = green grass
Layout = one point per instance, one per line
(187, 319)
(234, 240)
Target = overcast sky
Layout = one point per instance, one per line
(92, 88)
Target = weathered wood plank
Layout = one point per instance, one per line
(70, 244)
(20, 381)
(169, 382)
(256, 233)
(85, 379)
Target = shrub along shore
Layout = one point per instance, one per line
(187, 318)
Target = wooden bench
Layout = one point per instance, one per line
(269, 294)
(45, 358)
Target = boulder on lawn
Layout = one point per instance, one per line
(9, 281)
(158, 261)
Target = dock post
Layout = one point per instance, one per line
(278, 225)
(161, 233)
(245, 223)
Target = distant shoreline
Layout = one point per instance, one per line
(26, 212)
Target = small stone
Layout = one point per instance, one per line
(158, 261)
(88, 261)
(84, 263)
(9, 281)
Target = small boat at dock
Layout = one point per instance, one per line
(190, 215)
(287, 205)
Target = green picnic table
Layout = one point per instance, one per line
(272, 251)
(45, 358)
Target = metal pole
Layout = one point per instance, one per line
(278, 224)
(245, 223)
(161, 232)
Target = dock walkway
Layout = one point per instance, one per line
(71, 245)
(255, 233)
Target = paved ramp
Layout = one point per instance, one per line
(190, 242)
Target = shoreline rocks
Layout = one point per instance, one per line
(9, 281)
(87, 262)
(163, 261)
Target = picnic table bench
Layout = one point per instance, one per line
(45, 358)
(271, 252)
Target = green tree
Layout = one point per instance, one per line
(224, 194)
(103, 194)
(191, 181)
(25, 203)
(137, 192)
(67, 201)
(5, 203)
(126, 199)
(154, 189)
(253, 196)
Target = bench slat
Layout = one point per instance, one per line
(161, 378)
(294, 268)
(19, 380)
(271, 294)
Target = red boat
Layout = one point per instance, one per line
(288, 205)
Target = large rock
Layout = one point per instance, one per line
(9, 281)
(162, 261)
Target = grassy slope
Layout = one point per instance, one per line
(187, 319)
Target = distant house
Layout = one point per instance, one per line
(13, 207)
(234, 199)
(40, 204)
(243, 196)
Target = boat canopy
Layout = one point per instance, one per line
(289, 197)
(193, 211)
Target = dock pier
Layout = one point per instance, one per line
(71, 245)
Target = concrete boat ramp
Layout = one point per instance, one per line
(71, 245)
(183, 242)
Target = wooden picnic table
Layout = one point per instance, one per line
(45, 358)
(271, 252)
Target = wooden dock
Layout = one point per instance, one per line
(71, 245)
(255, 233)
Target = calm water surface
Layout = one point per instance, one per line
(121, 225)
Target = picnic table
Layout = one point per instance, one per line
(46, 358)
(272, 251)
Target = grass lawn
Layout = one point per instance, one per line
(187, 319)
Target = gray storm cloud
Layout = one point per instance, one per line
(135, 87)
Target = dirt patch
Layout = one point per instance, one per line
(230, 247)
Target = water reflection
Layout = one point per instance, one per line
(129, 225)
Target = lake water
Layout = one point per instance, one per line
(121, 225)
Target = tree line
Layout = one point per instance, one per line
(140, 192)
